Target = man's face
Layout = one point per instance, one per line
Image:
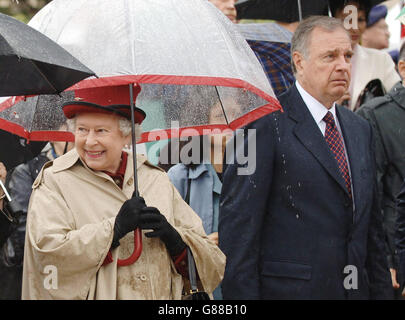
(377, 36)
(325, 72)
(99, 141)
(227, 7)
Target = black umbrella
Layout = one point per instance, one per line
(16, 150)
(288, 10)
(31, 63)
(280, 10)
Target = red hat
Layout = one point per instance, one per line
(103, 100)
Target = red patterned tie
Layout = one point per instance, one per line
(335, 142)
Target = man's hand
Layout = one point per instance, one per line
(127, 218)
(395, 284)
(151, 218)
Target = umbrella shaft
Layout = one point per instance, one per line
(5, 191)
(299, 9)
(131, 96)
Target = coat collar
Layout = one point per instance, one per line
(398, 94)
(194, 173)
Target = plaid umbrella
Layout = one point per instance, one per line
(276, 61)
(271, 44)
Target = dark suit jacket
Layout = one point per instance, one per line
(400, 234)
(289, 230)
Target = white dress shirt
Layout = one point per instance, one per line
(318, 112)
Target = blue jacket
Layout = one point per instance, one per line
(205, 191)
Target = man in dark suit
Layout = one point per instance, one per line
(305, 224)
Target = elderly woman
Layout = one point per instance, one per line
(81, 217)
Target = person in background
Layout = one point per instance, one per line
(387, 117)
(227, 7)
(377, 34)
(200, 183)
(6, 219)
(20, 188)
(367, 64)
(270, 42)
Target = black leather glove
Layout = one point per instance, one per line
(151, 218)
(127, 219)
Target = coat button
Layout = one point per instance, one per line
(130, 181)
(143, 277)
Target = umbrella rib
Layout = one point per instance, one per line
(222, 106)
(43, 75)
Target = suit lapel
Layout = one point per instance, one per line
(351, 138)
(307, 131)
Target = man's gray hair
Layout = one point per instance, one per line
(123, 123)
(302, 36)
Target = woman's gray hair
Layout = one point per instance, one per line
(302, 36)
(123, 123)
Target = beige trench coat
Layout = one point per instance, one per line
(70, 228)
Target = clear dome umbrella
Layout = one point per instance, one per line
(185, 55)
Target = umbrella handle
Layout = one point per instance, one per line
(137, 232)
(137, 250)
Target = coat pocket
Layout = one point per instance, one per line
(282, 280)
(285, 269)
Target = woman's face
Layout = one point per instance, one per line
(354, 21)
(99, 141)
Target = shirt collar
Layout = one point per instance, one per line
(195, 172)
(317, 109)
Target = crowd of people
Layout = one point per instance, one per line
(321, 217)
